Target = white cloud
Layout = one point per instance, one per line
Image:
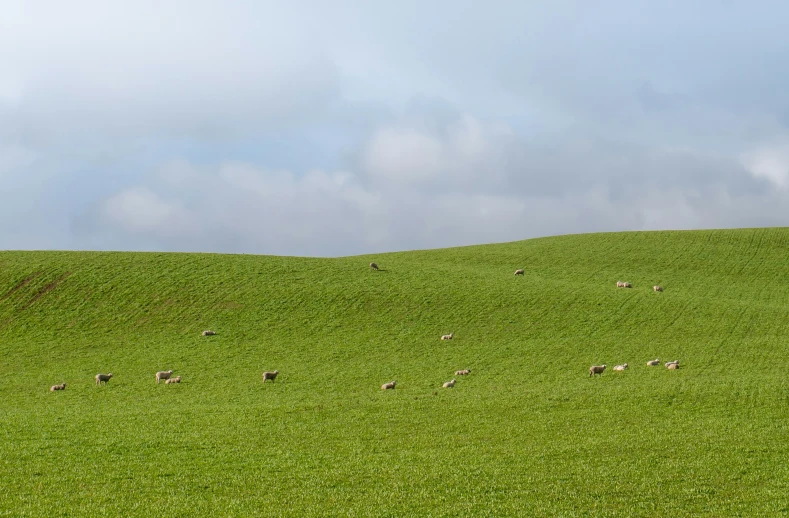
(255, 97)
(142, 211)
(427, 182)
(770, 162)
(237, 207)
(405, 155)
(459, 154)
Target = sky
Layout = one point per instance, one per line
(335, 128)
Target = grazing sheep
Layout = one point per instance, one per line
(163, 375)
(653, 363)
(620, 284)
(387, 386)
(657, 288)
(519, 271)
(103, 378)
(596, 369)
(620, 367)
(672, 366)
(53, 388)
(270, 376)
(447, 337)
(449, 384)
(176, 379)
(374, 266)
(462, 372)
(209, 333)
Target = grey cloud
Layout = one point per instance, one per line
(589, 62)
(462, 153)
(256, 127)
(330, 222)
(564, 190)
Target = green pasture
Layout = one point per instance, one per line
(527, 433)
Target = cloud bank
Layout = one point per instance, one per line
(316, 129)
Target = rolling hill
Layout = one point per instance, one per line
(527, 433)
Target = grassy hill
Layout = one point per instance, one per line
(528, 433)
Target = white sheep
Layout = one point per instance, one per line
(103, 378)
(657, 288)
(596, 369)
(462, 372)
(627, 285)
(53, 388)
(176, 379)
(374, 266)
(669, 364)
(390, 385)
(620, 367)
(653, 363)
(449, 384)
(270, 376)
(620, 284)
(163, 375)
(519, 271)
(208, 332)
(448, 337)
(673, 366)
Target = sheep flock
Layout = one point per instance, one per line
(166, 376)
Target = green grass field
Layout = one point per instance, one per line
(528, 433)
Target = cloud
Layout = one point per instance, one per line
(237, 207)
(769, 162)
(304, 128)
(451, 155)
(405, 155)
(240, 207)
(141, 211)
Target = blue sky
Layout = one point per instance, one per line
(337, 128)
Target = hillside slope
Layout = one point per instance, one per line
(527, 433)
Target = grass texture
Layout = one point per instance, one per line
(527, 433)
